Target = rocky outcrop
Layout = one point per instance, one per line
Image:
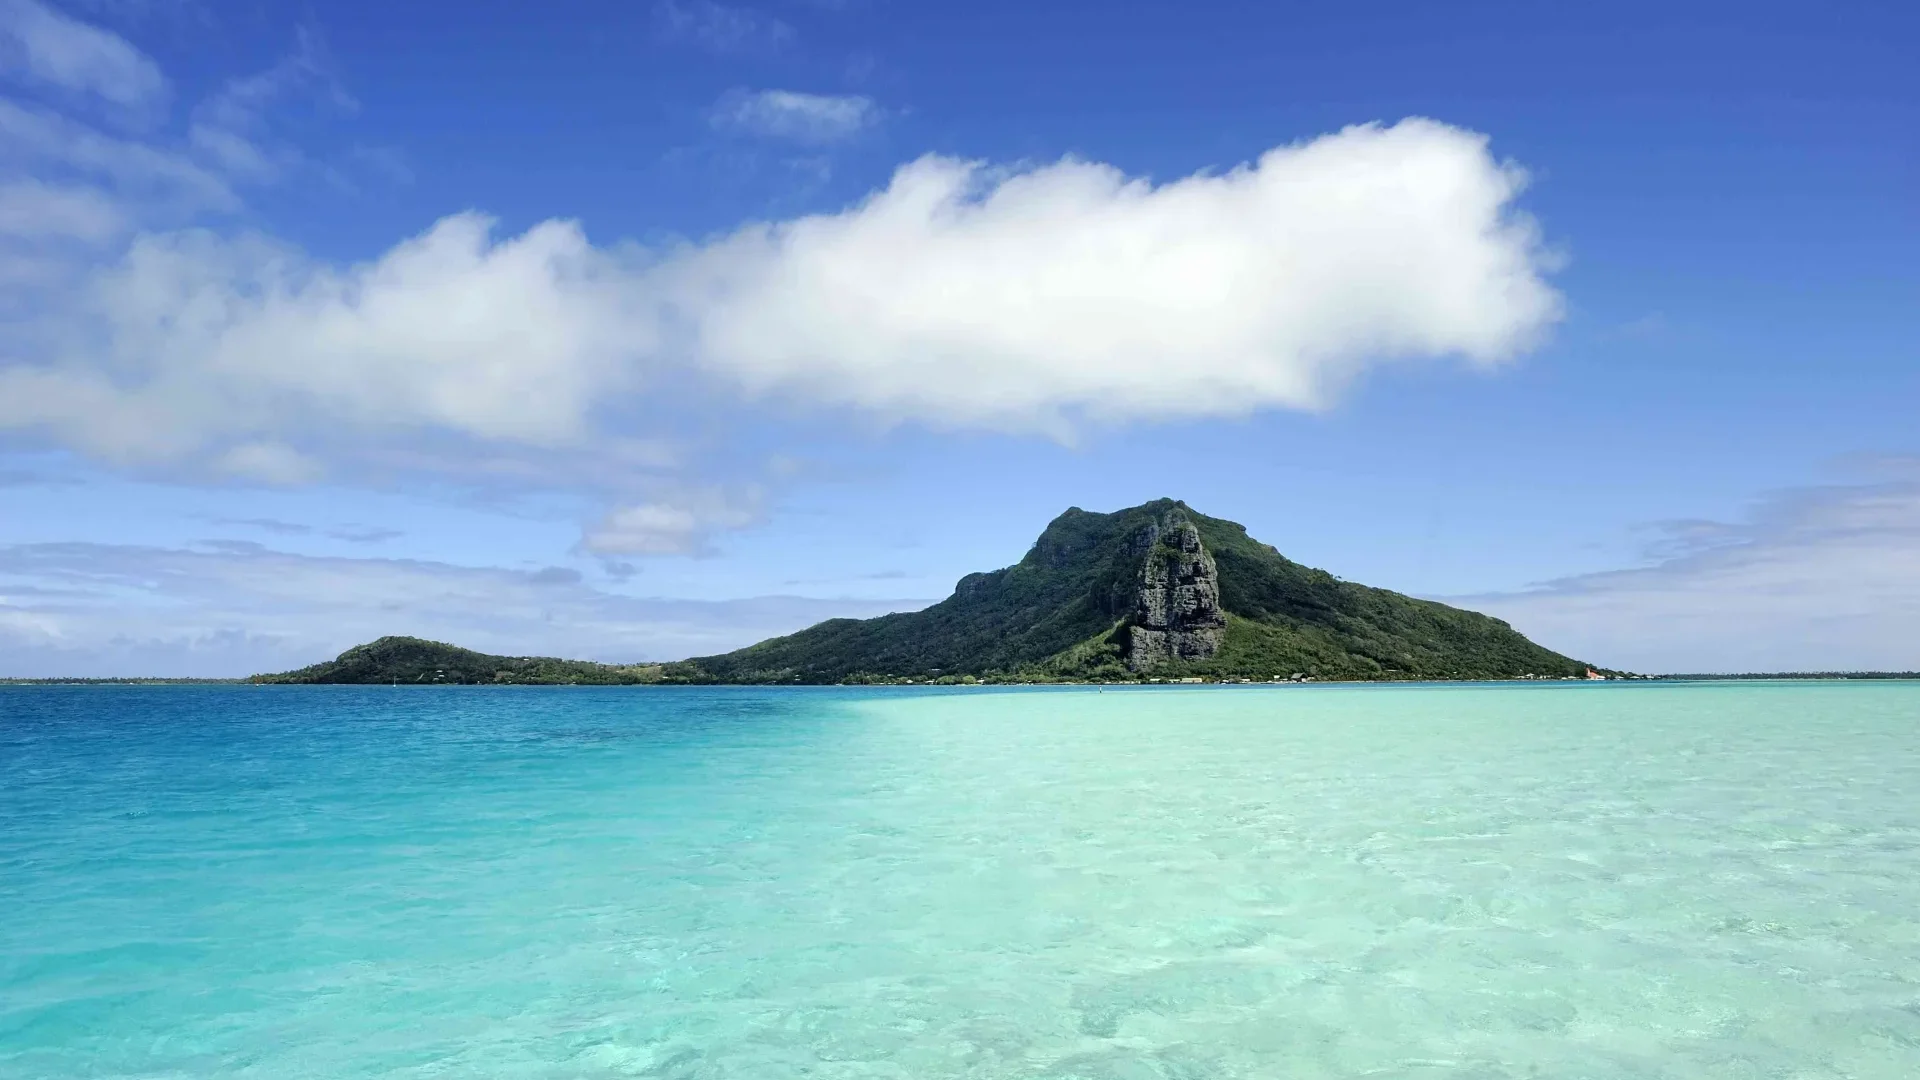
(1177, 613)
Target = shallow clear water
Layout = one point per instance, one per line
(1519, 881)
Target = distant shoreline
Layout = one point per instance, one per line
(120, 681)
(1782, 676)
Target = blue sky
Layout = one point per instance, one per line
(644, 330)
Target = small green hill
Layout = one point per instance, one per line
(1155, 591)
(415, 661)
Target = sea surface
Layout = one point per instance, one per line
(1487, 882)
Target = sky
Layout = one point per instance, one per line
(633, 331)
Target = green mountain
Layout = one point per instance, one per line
(1156, 591)
(415, 661)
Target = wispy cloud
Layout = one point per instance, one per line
(720, 27)
(799, 117)
(681, 525)
(75, 189)
(237, 607)
(139, 174)
(1822, 578)
(37, 210)
(231, 127)
(386, 162)
(352, 534)
(184, 13)
(45, 46)
(272, 525)
(36, 478)
(365, 535)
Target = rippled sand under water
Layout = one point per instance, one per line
(1426, 882)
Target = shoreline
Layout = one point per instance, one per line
(1823, 676)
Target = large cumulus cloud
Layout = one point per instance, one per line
(1037, 299)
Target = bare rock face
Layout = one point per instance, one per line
(1177, 613)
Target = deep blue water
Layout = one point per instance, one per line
(1487, 882)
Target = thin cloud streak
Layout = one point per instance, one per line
(721, 28)
(1816, 579)
(795, 116)
(229, 608)
(45, 46)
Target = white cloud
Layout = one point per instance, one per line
(958, 296)
(1823, 579)
(789, 114)
(193, 14)
(682, 526)
(229, 128)
(965, 296)
(269, 463)
(198, 346)
(75, 168)
(722, 28)
(31, 209)
(235, 608)
(1031, 299)
(56, 148)
(51, 48)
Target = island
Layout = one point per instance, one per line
(1152, 593)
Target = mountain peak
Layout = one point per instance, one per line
(1157, 588)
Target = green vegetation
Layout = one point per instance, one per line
(1061, 613)
(1288, 618)
(416, 661)
(1075, 583)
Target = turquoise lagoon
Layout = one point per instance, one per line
(1487, 882)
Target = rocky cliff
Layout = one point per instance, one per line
(1176, 613)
